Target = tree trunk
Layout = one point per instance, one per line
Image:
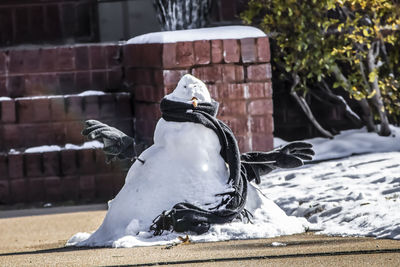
(377, 98)
(367, 114)
(304, 106)
(182, 14)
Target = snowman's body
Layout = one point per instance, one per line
(183, 165)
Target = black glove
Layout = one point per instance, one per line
(116, 143)
(256, 164)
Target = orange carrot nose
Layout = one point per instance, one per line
(194, 102)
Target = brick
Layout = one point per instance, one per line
(70, 188)
(237, 124)
(139, 76)
(232, 73)
(83, 81)
(3, 167)
(99, 80)
(87, 187)
(214, 89)
(41, 109)
(124, 106)
(97, 57)
(81, 57)
(202, 51)
(107, 106)
(68, 162)
(18, 190)
(232, 107)
(7, 111)
(231, 91)
(11, 136)
(67, 82)
(3, 59)
(33, 164)
(184, 54)
(217, 51)
(169, 55)
(57, 108)
(118, 182)
(48, 59)
(16, 61)
(73, 132)
(144, 111)
(16, 86)
(263, 142)
(43, 134)
(3, 88)
(260, 72)
(260, 107)
(208, 74)
(25, 110)
(59, 133)
(259, 90)
(31, 60)
(263, 50)
(143, 55)
(100, 160)
(113, 55)
(33, 85)
(65, 58)
(248, 50)
(91, 107)
(50, 84)
(114, 79)
(51, 163)
(172, 77)
(262, 124)
(74, 107)
(104, 186)
(231, 50)
(53, 189)
(86, 161)
(244, 143)
(4, 192)
(148, 93)
(145, 130)
(36, 190)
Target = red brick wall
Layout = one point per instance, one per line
(237, 72)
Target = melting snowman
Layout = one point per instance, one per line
(191, 178)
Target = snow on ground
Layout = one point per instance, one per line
(352, 142)
(223, 32)
(348, 195)
(359, 195)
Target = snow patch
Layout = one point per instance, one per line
(42, 149)
(214, 33)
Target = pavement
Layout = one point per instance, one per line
(36, 237)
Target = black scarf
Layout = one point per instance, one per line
(250, 166)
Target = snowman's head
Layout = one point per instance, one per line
(190, 89)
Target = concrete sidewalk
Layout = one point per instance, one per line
(39, 240)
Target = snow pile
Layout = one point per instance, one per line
(41, 149)
(352, 142)
(359, 195)
(214, 33)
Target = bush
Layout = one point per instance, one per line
(328, 44)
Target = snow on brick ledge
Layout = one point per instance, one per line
(214, 33)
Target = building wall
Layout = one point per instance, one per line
(47, 21)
